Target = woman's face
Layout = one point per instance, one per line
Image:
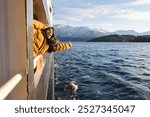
(49, 32)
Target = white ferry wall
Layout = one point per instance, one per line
(16, 50)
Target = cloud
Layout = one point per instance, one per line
(138, 3)
(103, 25)
(65, 19)
(91, 12)
(134, 15)
(108, 11)
(121, 11)
(81, 12)
(76, 14)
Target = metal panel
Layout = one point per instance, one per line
(46, 80)
(49, 11)
(6, 89)
(4, 52)
(51, 91)
(38, 85)
(13, 47)
(29, 18)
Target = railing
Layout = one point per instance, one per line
(9, 86)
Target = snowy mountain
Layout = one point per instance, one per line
(69, 33)
(83, 33)
(145, 33)
(130, 32)
(125, 32)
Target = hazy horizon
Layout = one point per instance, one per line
(103, 29)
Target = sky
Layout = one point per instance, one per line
(110, 15)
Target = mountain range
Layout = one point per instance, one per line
(69, 33)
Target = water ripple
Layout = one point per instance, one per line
(104, 71)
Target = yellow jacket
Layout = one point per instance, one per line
(39, 41)
(60, 47)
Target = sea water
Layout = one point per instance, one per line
(104, 71)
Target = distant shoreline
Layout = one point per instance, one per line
(122, 38)
(108, 38)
